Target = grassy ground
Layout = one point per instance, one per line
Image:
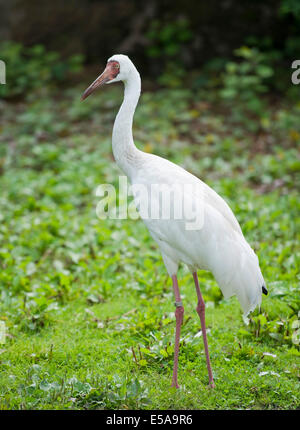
(87, 304)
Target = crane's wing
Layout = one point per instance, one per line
(218, 246)
(163, 171)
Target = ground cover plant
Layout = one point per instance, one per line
(87, 305)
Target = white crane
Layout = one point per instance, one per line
(217, 245)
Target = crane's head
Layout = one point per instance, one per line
(118, 68)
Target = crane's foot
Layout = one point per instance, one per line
(174, 385)
(211, 385)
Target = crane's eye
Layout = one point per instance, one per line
(114, 64)
(114, 68)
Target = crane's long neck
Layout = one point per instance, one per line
(125, 152)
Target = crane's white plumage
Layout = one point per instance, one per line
(213, 242)
(219, 246)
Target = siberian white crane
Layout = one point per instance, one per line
(216, 245)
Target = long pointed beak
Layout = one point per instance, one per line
(101, 80)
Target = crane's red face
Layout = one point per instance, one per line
(111, 71)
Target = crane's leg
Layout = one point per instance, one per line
(201, 312)
(179, 318)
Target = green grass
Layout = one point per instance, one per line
(87, 304)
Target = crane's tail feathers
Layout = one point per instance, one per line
(245, 281)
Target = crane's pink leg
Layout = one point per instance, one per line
(179, 318)
(201, 312)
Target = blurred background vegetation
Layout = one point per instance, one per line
(167, 39)
(218, 100)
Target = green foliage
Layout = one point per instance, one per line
(87, 304)
(112, 393)
(244, 83)
(167, 39)
(117, 394)
(290, 7)
(166, 42)
(28, 68)
(268, 324)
